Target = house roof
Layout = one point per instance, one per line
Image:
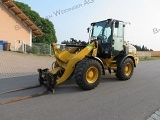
(11, 6)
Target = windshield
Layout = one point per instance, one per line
(101, 30)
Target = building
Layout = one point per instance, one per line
(15, 27)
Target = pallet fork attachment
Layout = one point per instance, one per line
(44, 79)
(20, 89)
(24, 97)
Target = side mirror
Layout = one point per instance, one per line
(113, 42)
(116, 24)
(88, 30)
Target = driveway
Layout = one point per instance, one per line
(13, 64)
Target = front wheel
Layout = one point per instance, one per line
(125, 71)
(88, 73)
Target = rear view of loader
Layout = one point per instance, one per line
(87, 62)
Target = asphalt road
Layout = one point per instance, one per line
(135, 99)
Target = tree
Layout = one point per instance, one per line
(45, 25)
(137, 47)
(64, 42)
(143, 48)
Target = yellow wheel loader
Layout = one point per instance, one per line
(87, 62)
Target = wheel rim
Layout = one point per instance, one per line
(92, 74)
(128, 69)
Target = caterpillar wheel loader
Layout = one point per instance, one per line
(87, 62)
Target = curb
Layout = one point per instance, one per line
(155, 116)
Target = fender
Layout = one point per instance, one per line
(100, 61)
(121, 58)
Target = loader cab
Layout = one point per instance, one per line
(110, 36)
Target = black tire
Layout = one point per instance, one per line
(88, 73)
(125, 71)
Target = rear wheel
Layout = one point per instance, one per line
(88, 73)
(125, 71)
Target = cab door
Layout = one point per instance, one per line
(118, 38)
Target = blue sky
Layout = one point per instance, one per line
(74, 16)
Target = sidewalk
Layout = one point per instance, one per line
(13, 64)
(155, 116)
